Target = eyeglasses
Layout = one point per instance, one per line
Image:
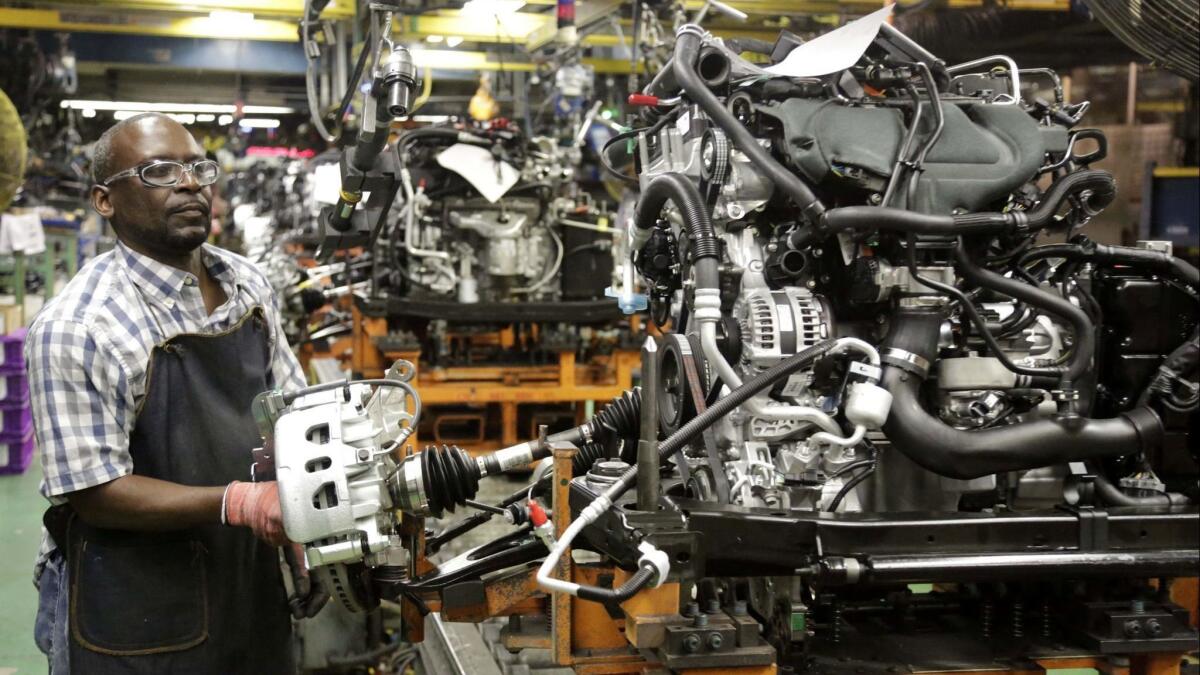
(160, 173)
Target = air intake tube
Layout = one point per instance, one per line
(951, 452)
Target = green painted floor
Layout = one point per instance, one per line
(21, 508)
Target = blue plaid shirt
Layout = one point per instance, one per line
(88, 351)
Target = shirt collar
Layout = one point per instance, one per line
(165, 283)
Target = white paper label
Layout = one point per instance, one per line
(834, 51)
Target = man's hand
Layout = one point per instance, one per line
(256, 506)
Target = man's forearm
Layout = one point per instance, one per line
(139, 503)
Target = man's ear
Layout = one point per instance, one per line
(101, 201)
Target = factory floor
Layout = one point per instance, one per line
(21, 508)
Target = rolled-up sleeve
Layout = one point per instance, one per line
(82, 416)
(285, 367)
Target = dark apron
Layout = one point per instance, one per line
(205, 600)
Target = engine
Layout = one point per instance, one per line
(871, 370)
(488, 214)
(781, 214)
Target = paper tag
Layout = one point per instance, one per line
(490, 177)
(327, 183)
(684, 124)
(834, 51)
(797, 384)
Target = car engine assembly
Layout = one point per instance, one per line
(873, 371)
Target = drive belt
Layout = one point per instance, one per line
(696, 388)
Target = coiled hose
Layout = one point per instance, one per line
(682, 192)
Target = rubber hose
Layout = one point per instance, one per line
(681, 191)
(1085, 333)
(1121, 255)
(899, 220)
(627, 590)
(687, 50)
(954, 453)
(1101, 183)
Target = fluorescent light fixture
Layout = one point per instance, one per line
(205, 117)
(431, 119)
(119, 115)
(212, 108)
(225, 119)
(229, 16)
(492, 7)
(433, 39)
(89, 112)
(183, 118)
(258, 123)
(454, 41)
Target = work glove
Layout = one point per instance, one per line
(308, 595)
(256, 506)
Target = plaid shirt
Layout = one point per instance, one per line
(89, 348)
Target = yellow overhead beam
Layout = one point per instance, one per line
(451, 59)
(140, 24)
(337, 9)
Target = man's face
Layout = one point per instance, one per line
(172, 221)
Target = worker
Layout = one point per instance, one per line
(159, 555)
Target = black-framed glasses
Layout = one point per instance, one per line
(163, 173)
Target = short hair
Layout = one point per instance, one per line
(102, 155)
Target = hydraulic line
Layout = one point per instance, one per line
(667, 448)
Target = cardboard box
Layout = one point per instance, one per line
(12, 317)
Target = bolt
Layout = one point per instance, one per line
(1138, 606)
(875, 199)
(691, 643)
(1133, 628)
(691, 609)
(715, 641)
(712, 606)
(1154, 628)
(700, 621)
(740, 608)
(364, 454)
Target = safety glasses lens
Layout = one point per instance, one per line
(165, 174)
(206, 172)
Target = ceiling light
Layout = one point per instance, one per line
(225, 119)
(258, 123)
(212, 108)
(454, 41)
(205, 117)
(183, 118)
(89, 112)
(434, 39)
(119, 115)
(492, 7)
(228, 16)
